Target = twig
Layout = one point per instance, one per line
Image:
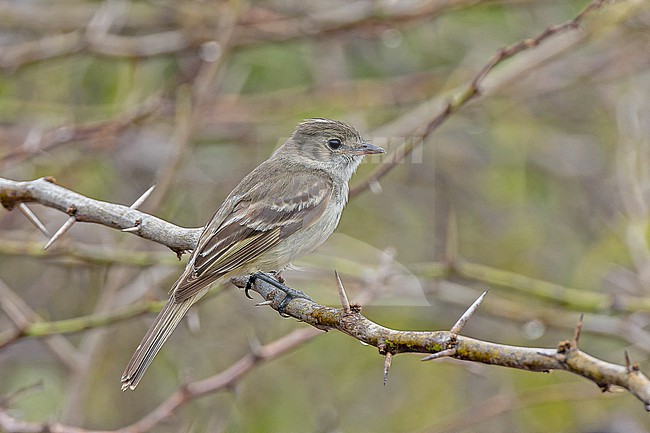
(616, 327)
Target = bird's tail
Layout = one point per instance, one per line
(167, 320)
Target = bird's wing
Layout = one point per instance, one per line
(258, 220)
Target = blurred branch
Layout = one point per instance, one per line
(23, 317)
(569, 297)
(632, 180)
(542, 317)
(40, 328)
(32, 325)
(191, 105)
(257, 25)
(185, 394)
(39, 141)
(504, 402)
(567, 356)
(77, 253)
(470, 91)
(368, 18)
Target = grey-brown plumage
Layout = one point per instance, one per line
(283, 209)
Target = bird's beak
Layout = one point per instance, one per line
(367, 149)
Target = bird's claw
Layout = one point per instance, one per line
(290, 294)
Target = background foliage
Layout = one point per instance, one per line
(545, 176)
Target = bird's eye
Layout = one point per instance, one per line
(334, 143)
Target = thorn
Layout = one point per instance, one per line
(441, 354)
(576, 335)
(458, 326)
(387, 361)
(628, 364)
(34, 219)
(64, 228)
(345, 303)
(132, 229)
(136, 204)
(264, 303)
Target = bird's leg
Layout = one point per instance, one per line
(273, 279)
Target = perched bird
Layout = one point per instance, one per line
(285, 208)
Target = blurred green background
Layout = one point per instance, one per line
(544, 176)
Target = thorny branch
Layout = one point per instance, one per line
(46, 192)
(567, 356)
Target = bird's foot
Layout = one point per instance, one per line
(276, 280)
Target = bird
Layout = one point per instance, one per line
(283, 209)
